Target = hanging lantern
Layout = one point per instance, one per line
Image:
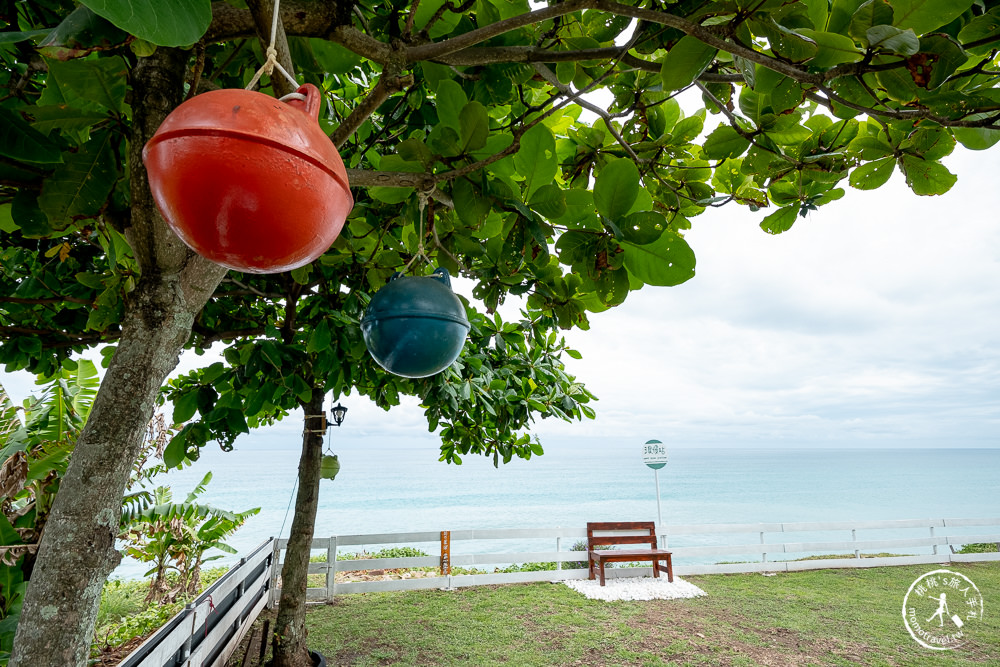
(415, 326)
(248, 181)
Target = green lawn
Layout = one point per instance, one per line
(823, 617)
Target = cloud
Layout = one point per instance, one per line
(872, 320)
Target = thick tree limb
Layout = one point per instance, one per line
(261, 10)
(307, 19)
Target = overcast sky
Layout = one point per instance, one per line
(873, 322)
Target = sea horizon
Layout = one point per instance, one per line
(392, 487)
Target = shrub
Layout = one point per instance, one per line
(980, 548)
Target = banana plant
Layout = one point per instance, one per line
(175, 537)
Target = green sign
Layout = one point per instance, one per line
(654, 454)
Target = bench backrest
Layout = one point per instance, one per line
(646, 530)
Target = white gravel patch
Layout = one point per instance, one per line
(635, 588)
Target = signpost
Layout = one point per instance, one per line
(654, 455)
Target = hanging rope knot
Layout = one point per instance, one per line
(272, 60)
(272, 55)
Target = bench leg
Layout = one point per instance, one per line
(590, 566)
(602, 572)
(670, 570)
(656, 568)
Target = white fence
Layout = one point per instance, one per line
(208, 630)
(773, 547)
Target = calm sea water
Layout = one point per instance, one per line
(388, 487)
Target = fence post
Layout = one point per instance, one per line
(186, 648)
(331, 568)
(934, 546)
(558, 549)
(763, 555)
(854, 538)
(272, 596)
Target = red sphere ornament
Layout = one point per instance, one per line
(248, 181)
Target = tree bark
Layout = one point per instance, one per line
(289, 641)
(77, 552)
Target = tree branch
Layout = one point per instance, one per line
(386, 86)
(438, 49)
(550, 76)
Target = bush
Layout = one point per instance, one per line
(125, 614)
(390, 552)
(980, 548)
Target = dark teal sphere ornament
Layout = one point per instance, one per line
(415, 326)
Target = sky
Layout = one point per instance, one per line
(873, 322)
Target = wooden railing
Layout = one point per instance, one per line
(209, 629)
(752, 546)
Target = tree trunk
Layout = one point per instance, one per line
(77, 552)
(289, 642)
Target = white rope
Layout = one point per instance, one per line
(422, 197)
(272, 55)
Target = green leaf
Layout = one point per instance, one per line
(174, 23)
(80, 33)
(175, 453)
(943, 58)
(549, 200)
(301, 274)
(819, 12)
(841, 13)
(329, 467)
(666, 262)
(685, 62)
(643, 227)
(451, 99)
(20, 141)
(7, 223)
(833, 49)
(976, 138)
(781, 220)
(332, 57)
(15, 37)
(926, 177)
(873, 175)
(86, 83)
(725, 142)
(869, 15)
(81, 185)
(616, 188)
(891, 38)
(320, 338)
(471, 206)
(474, 126)
(982, 27)
(66, 118)
(535, 160)
(185, 406)
(925, 15)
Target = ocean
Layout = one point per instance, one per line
(387, 486)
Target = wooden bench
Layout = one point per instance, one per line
(598, 557)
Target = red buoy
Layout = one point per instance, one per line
(248, 181)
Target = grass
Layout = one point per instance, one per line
(821, 617)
